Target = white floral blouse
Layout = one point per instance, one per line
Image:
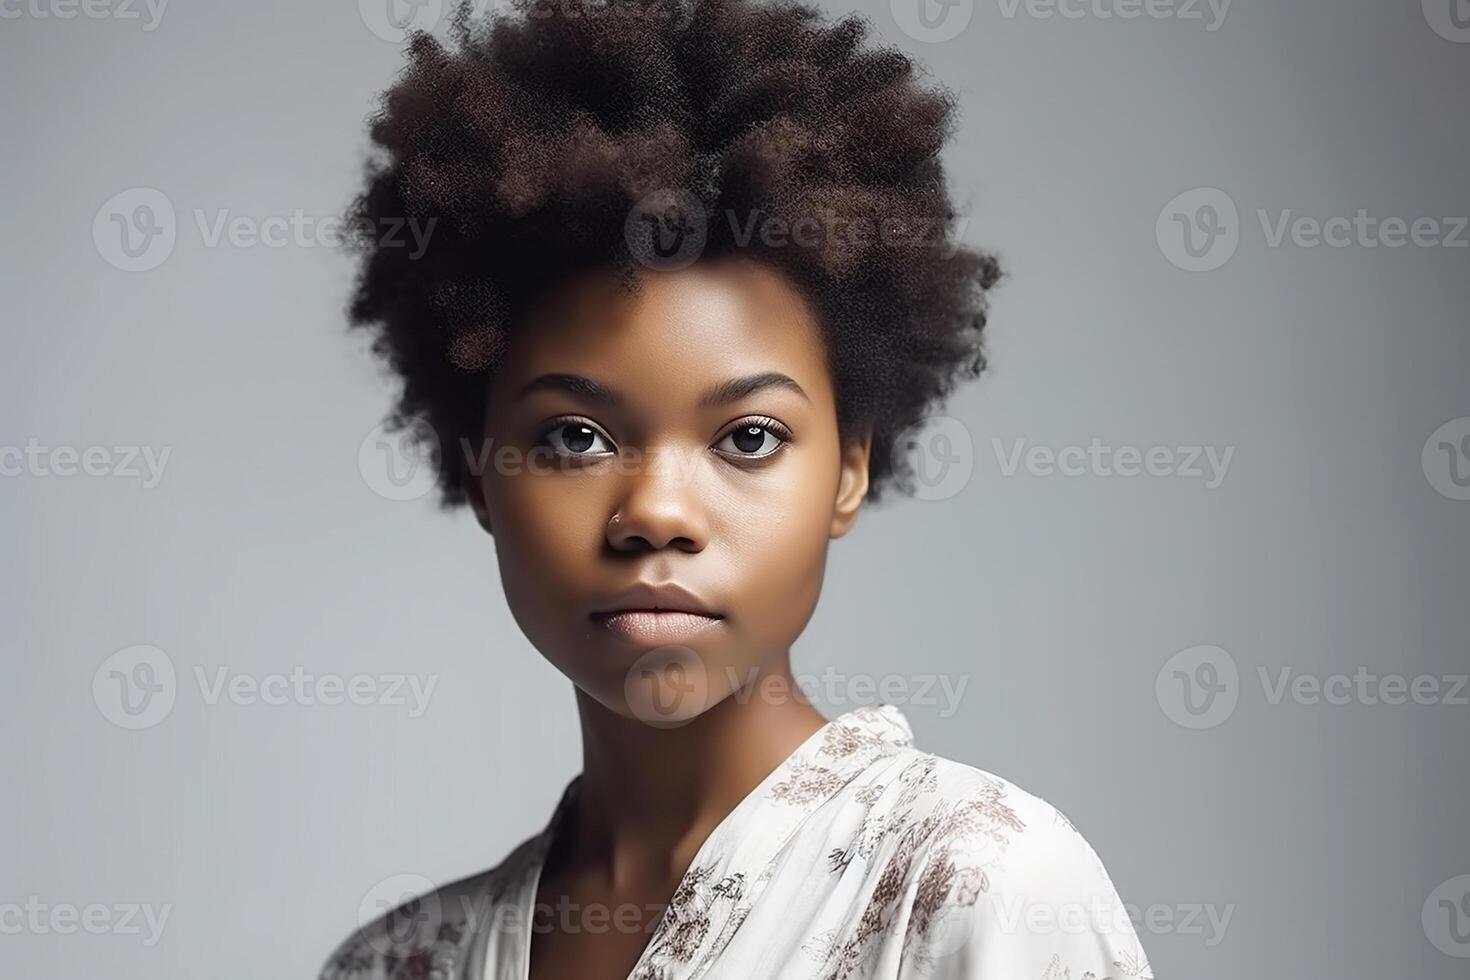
(860, 856)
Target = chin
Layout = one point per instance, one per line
(663, 687)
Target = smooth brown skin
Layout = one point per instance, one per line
(749, 537)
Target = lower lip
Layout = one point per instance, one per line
(648, 626)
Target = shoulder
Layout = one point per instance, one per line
(410, 928)
(1032, 843)
(1004, 885)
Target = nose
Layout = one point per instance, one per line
(663, 506)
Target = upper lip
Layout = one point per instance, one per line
(665, 597)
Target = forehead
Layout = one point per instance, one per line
(680, 332)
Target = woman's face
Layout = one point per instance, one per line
(685, 436)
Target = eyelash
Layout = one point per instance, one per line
(765, 422)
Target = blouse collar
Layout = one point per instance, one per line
(726, 875)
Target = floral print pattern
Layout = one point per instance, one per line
(859, 858)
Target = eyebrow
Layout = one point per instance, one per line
(731, 390)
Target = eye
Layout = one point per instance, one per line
(574, 437)
(754, 439)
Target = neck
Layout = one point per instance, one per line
(650, 796)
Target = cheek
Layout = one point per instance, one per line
(778, 544)
(545, 539)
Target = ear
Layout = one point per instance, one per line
(852, 486)
(474, 489)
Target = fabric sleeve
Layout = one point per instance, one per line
(1044, 910)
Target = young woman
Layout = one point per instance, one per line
(691, 274)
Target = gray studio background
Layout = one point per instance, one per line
(1078, 607)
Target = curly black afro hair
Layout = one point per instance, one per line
(578, 134)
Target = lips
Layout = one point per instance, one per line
(651, 613)
(655, 627)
